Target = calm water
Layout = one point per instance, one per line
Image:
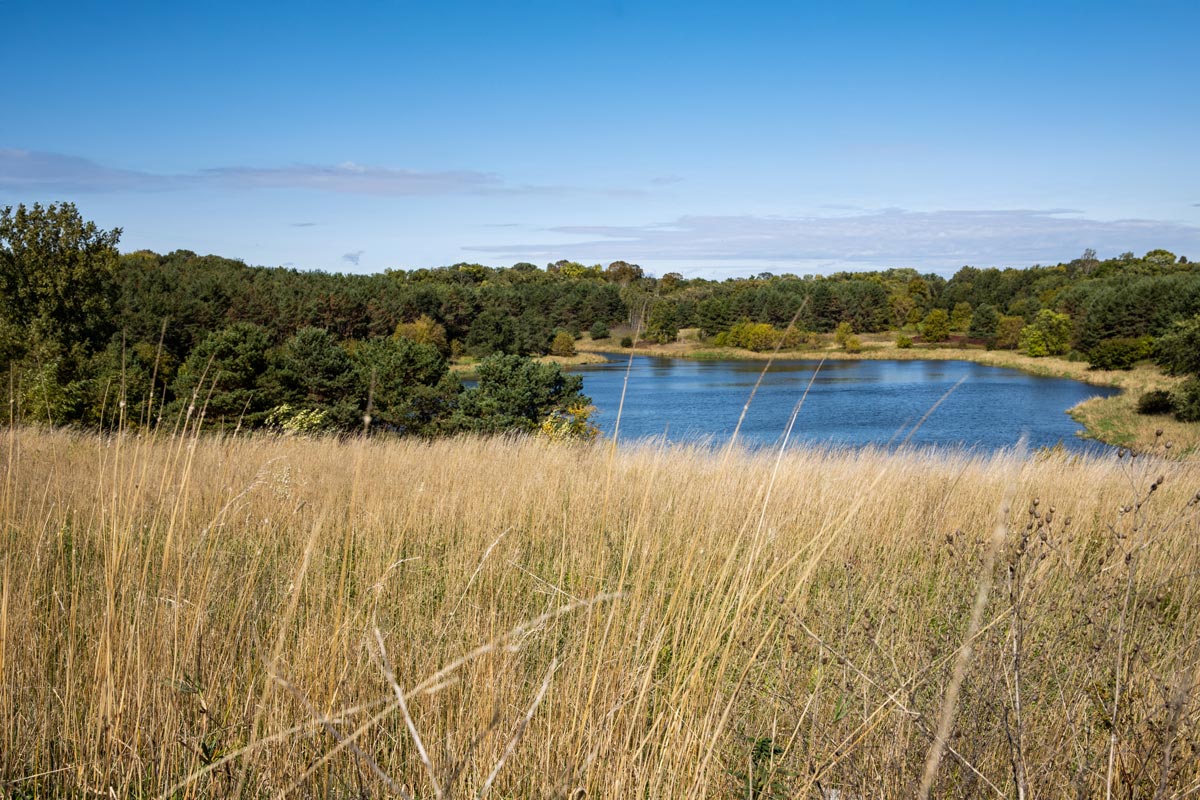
(851, 403)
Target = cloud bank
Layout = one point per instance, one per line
(889, 237)
(31, 170)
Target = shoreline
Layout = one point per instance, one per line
(1112, 420)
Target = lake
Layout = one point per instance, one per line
(851, 403)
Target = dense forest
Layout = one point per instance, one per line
(92, 336)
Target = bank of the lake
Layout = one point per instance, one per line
(1113, 419)
(465, 368)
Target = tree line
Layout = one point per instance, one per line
(88, 334)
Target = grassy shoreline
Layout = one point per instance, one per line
(465, 368)
(1113, 420)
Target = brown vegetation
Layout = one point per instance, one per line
(220, 617)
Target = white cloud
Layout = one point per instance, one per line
(30, 170)
(889, 237)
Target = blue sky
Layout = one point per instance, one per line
(714, 139)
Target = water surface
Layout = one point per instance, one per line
(851, 403)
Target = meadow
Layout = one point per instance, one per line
(213, 616)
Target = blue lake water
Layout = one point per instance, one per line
(851, 403)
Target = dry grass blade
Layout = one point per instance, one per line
(389, 674)
(521, 726)
(341, 739)
(963, 658)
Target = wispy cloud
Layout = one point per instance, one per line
(934, 239)
(353, 257)
(351, 178)
(31, 170)
(28, 169)
(304, 224)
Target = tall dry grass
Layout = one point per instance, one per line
(256, 616)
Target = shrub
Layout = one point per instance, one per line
(626, 341)
(1155, 401)
(960, 317)
(598, 330)
(563, 344)
(424, 330)
(903, 342)
(984, 322)
(842, 333)
(936, 327)
(1008, 332)
(1178, 351)
(756, 336)
(1048, 335)
(853, 344)
(1186, 400)
(1120, 353)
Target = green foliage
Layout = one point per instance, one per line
(1156, 401)
(713, 315)
(756, 336)
(45, 392)
(936, 326)
(226, 377)
(573, 424)
(853, 344)
(1120, 353)
(960, 317)
(407, 385)
(664, 322)
(313, 368)
(842, 333)
(598, 331)
(903, 342)
(1008, 332)
(425, 330)
(626, 341)
(515, 394)
(984, 323)
(1178, 350)
(1186, 400)
(56, 279)
(291, 420)
(1048, 335)
(563, 345)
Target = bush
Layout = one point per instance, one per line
(1186, 401)
(1048, 335)
(626, 341)
(1120, 353)
(903, 342)
(563, 344)
(936, 327)
(853, 344)
(598, 331)
(1178, 351)
(1008, 332)
(1156, 401)
(843, 332)
(984, 323)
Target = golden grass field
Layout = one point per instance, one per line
(257, 616)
